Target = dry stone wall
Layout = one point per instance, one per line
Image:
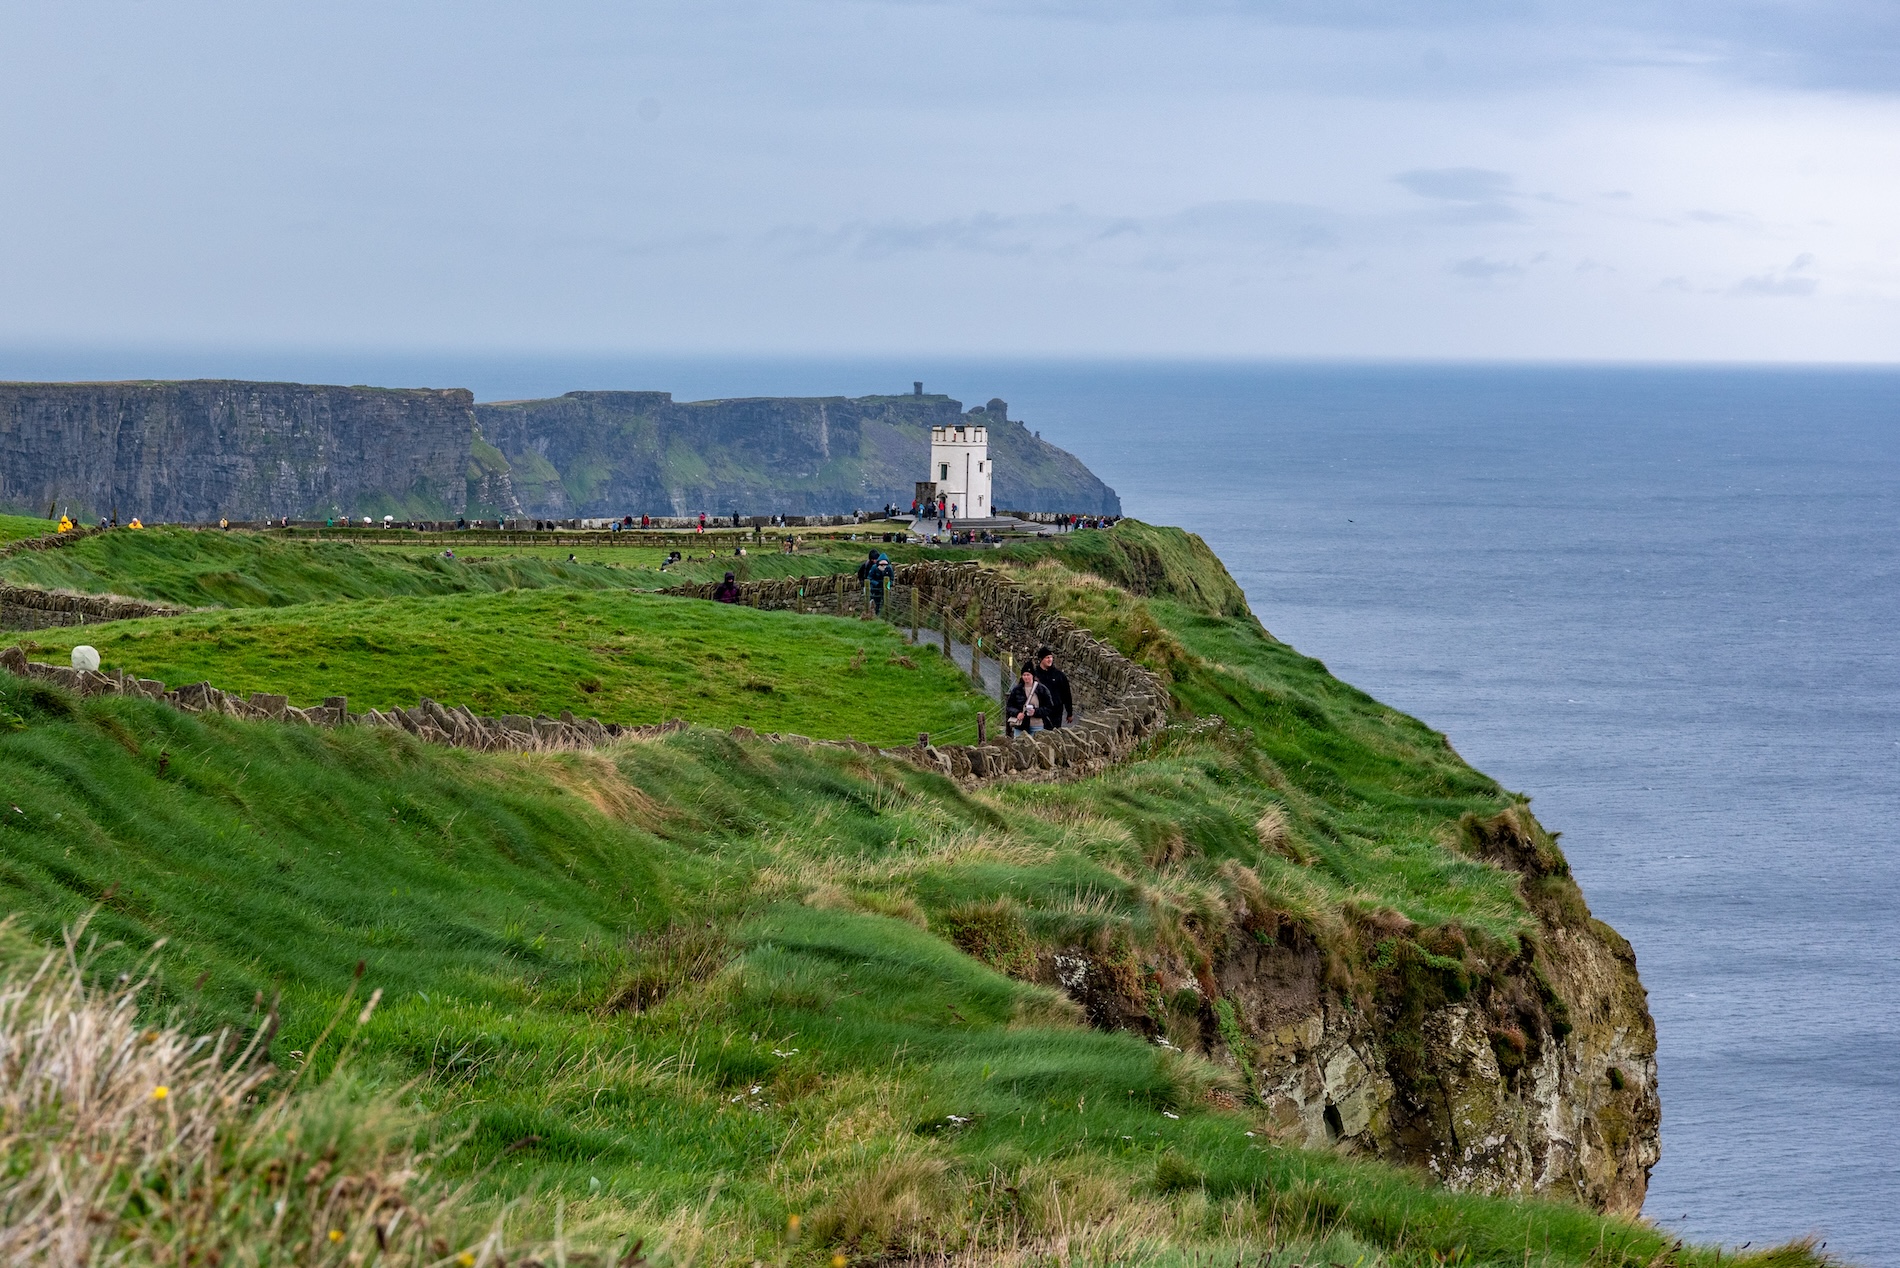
(24, 608)
(1121, 702)
(429, 721)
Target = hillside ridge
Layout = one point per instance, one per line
(1198, 998)
(195, 451)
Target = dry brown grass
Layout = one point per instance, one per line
(595, 778)
(127, 1143)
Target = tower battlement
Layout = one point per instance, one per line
(960, 469)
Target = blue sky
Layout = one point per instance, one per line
(1484, 179)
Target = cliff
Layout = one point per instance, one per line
(199, 450)
(610, 453)
(1304, 932)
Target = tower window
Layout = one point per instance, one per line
(943, 471)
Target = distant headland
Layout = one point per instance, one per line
(198, 450)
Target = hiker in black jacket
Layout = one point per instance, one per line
(1062, 699)
(1029, 705)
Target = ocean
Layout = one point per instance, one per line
(1660, 601)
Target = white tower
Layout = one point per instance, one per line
(960, 468)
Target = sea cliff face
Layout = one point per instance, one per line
(196, 451)
(201, 450)
(1530, 1072)
(607, 453)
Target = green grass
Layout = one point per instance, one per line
(214, 569)
(813, 1040)
(14, 527)
(690, 987)
(623, 657)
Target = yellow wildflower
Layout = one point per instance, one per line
(160, 1092)
(336, 1234)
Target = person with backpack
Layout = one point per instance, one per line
(881, 578)
(728, 591)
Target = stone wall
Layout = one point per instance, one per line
(24, 608)
(1121, 702)
(428, 721)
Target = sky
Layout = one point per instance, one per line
(1464, 179)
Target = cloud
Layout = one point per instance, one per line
(1814, 44)
(1476, 195)
(1252, 227)
(1457, 184)
(1478, 269)
(1783, 283)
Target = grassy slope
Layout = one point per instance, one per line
(14, 527)
(177, 565)
(816, 1030)
(622, 657)
(812, 1048)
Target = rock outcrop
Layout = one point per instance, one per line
(202, 450)
(199, 450)
(608, 453)
(1499, 1070)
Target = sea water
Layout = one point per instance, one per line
(1666, 604)
(1662, 602)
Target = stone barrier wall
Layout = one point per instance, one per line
(24, 608)
(428, 721)
(48, 541)
(1120, 702)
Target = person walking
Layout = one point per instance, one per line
(1029, 706)
(1061, 696)
(881, 577)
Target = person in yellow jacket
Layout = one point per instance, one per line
(135, 523)
(65, 524)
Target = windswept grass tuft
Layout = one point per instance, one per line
(129, 1142)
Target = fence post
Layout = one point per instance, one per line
(913, 610)
(982, 728)
(976, 646)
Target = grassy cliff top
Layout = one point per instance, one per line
(686, 989)
(15, 527)
(619, 656)
(197, 568)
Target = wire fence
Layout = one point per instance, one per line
(949, 620)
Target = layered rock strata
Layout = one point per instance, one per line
(608, 453)
(204, 449)
(201, 450)
(1499, 1070)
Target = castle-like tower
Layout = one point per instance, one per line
(960, 468)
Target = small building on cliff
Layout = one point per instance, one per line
(960, 471)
